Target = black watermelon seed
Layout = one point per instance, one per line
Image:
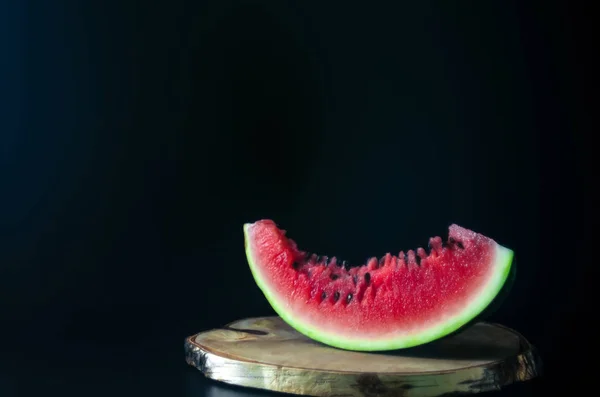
(334, 276)
(418, 259)
(460, 245)
(336, 296)
(349, 298)
(367, 278)
(323, 295)
(295, 265)
(355, 279)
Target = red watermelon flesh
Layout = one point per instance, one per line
(390, 302)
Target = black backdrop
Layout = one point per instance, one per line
(140, 136)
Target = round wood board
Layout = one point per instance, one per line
(266, 353)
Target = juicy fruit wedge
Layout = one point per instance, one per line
(392, 302)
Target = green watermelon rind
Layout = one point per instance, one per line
(502, 264)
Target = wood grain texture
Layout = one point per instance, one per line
(266, 353)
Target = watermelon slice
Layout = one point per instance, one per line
(391, 302)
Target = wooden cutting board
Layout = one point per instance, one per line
(266, 353)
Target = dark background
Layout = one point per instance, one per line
(138, 137)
